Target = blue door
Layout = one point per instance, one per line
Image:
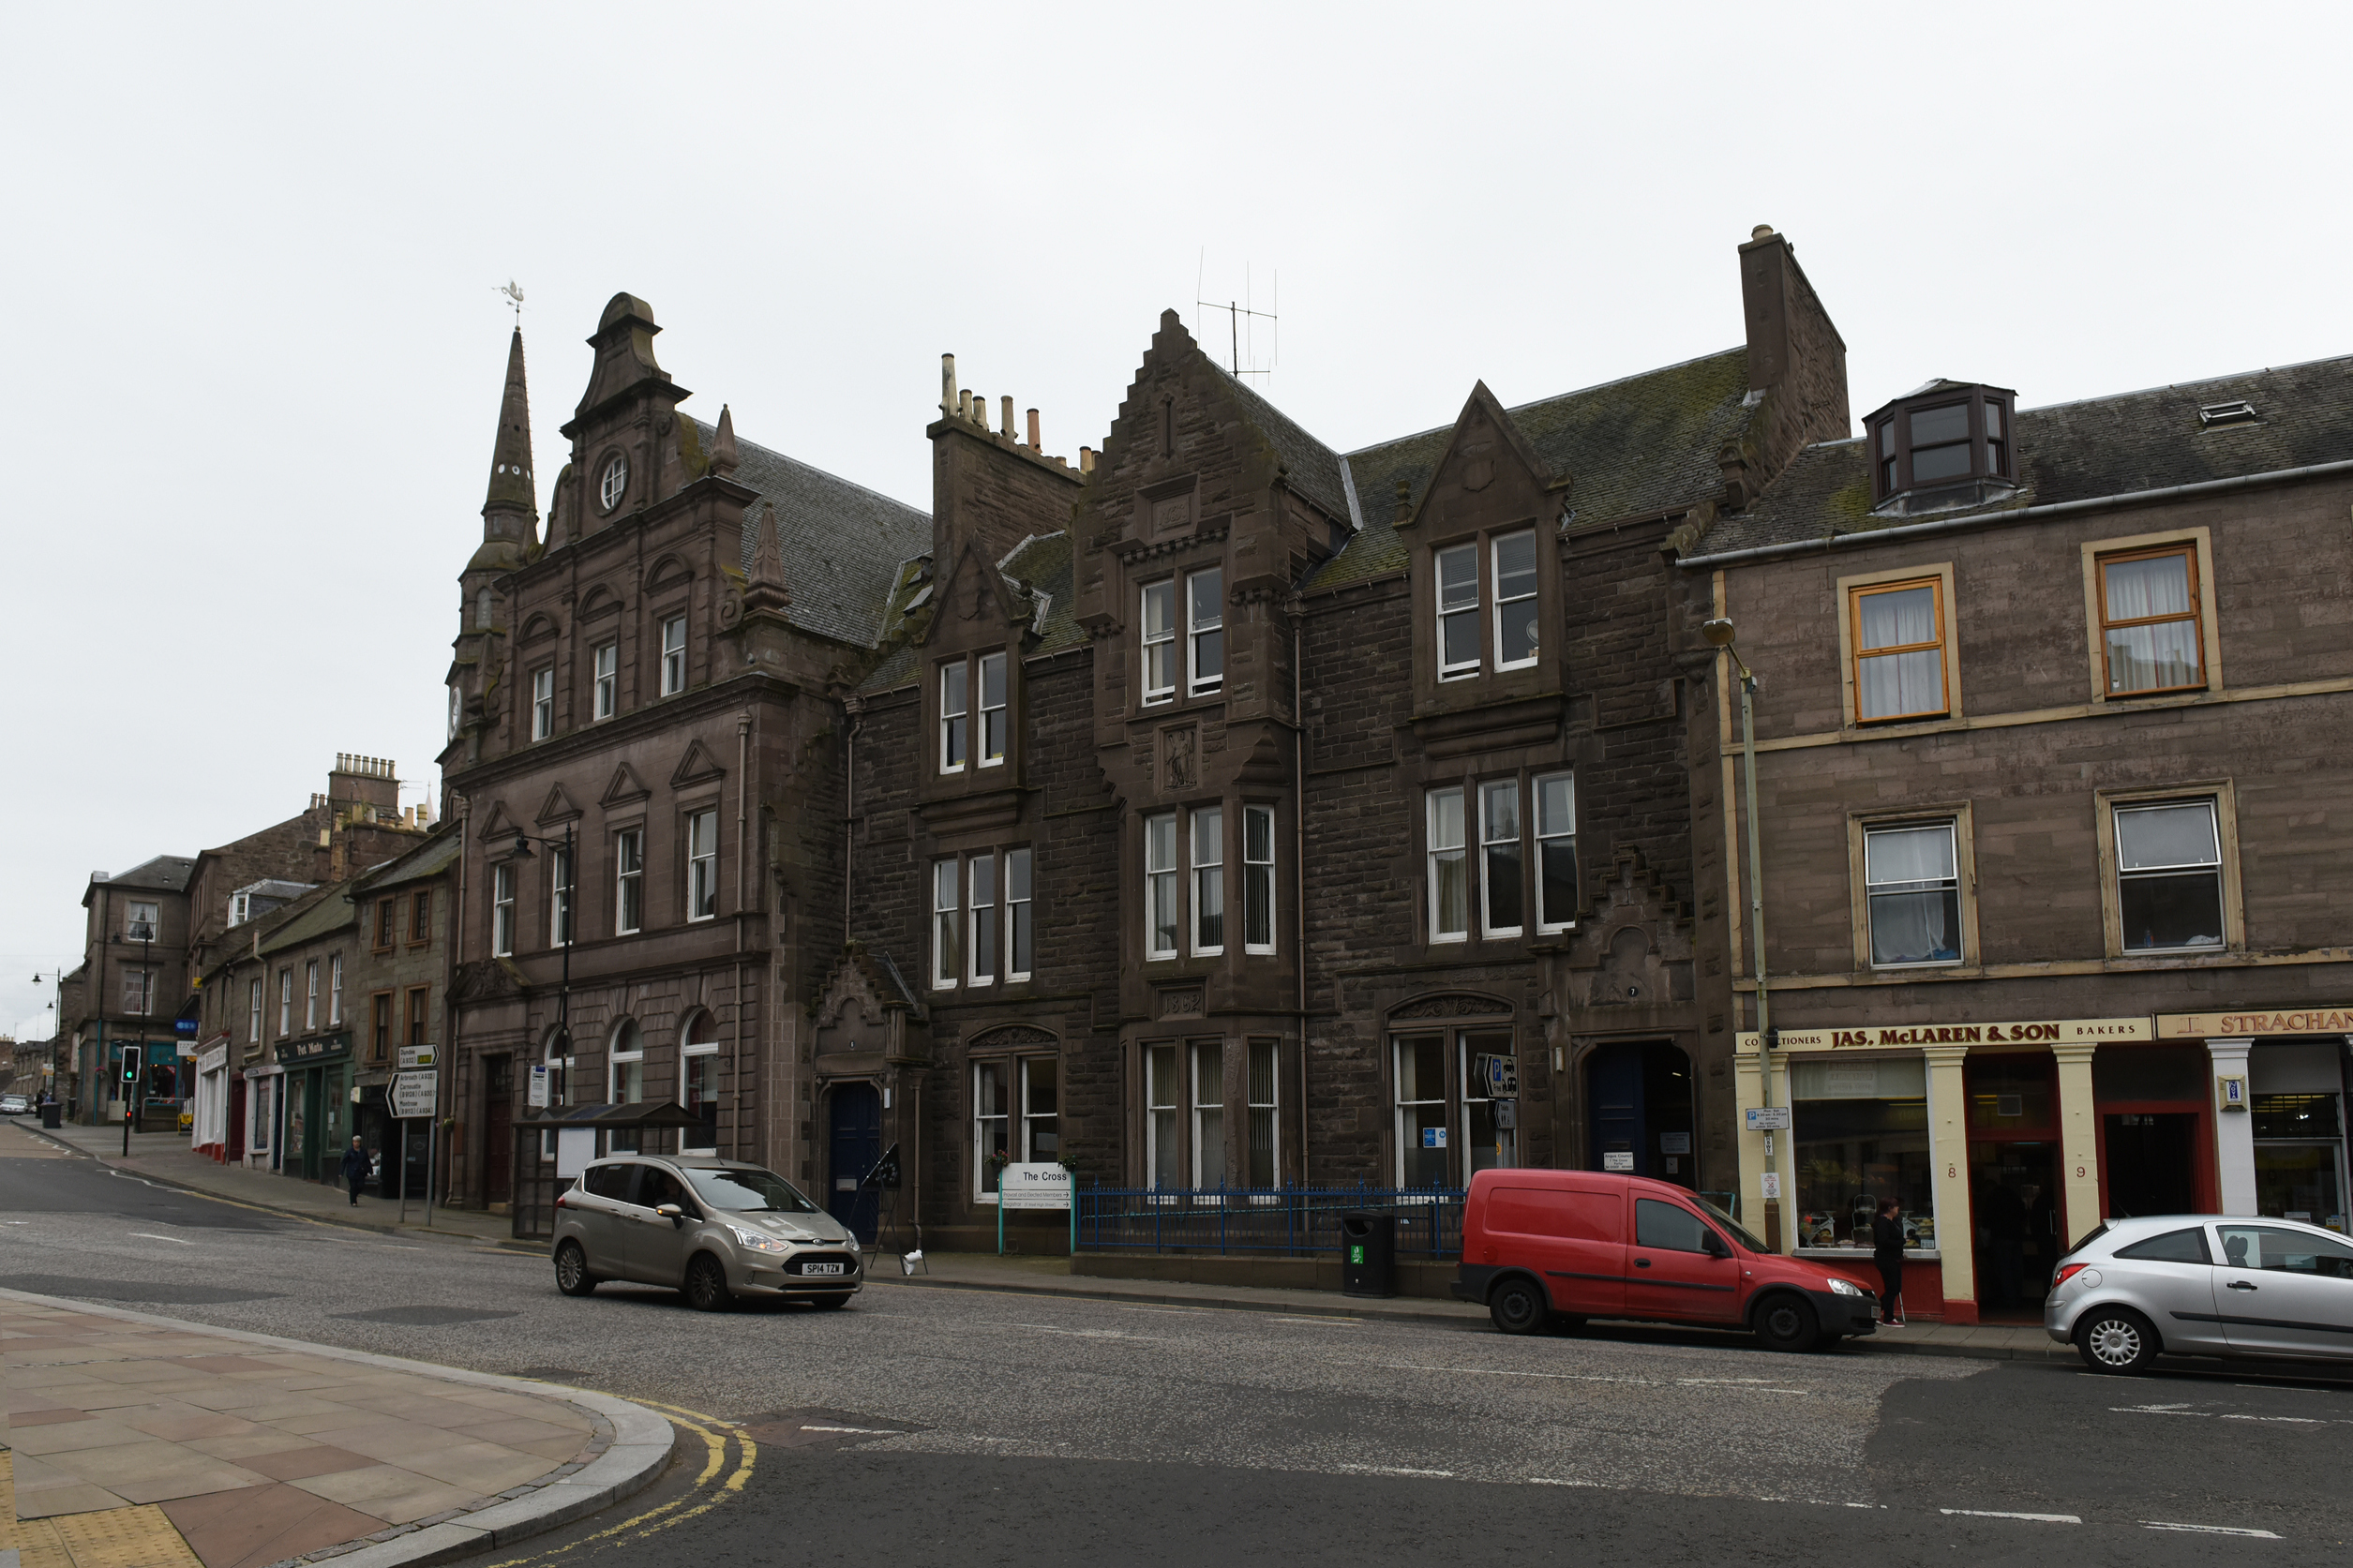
(857, 1122)
(1613, 1080)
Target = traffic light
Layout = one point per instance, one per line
(130, 1063)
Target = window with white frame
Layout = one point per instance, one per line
(560, 898)
(992, 1125)
(1015, 1118)
(703, 865)
(1208, 1113)
(629, 881)
(955, 715)
(1912, 891)
(1500, 857)
(1040, 1110)
(698, 1084)
(947, 923)
(1264, 1163)
(1205, 631)
(253, 999)
(992, 710)
(981, 887)
(1449, 873)
(607, 679)
(1160, 641)
(1556, 851)
(1019, 941)
(457, 709)
(503, 910)
(1163, 897)
(310, 994)
(1457, 612)
(543, 704)
(2169, 875)
(625, 1074)
(285, 1003)
(1163, 1152)
(673, 655)
(1209, 881)
(1258, 880)
(335, 991)
(138, 989)
(1422, 1123)
(1491, 1135)
(1514, 555)
(140, 924)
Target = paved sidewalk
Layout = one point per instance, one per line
(137, 1442)
(165, 1156)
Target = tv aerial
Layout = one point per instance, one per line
(1242, 319)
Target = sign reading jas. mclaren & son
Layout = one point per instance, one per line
(2243, 1026)
(2036, 1031)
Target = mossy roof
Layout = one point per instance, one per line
(2150, 439)
(1642, 445)
(1040, 566)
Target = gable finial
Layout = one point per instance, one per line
(765, 589)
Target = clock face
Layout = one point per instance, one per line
(616, 482)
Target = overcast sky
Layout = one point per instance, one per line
(256, 352)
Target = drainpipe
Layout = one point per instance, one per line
(735, 1035)
(449, 1004)
(856, 706)
(1298, 863)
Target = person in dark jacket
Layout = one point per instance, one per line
(1887, 1251)
(355, 1170)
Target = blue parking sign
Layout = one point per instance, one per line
(1433, 1138)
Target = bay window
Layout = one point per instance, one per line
(982, 927)
(981, 880)
(1205, 631)
(1208, 1113)
(1265, 1161)
(1160, 641)
(992, 710)
(1018, 941)
(1209, 881)
(1258, 880)
(1163, 918)
(1500, 856)
(1162, 1162)
(955, 707)
(947, 924)
(1448, 876)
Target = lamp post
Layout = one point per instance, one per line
(571, 915)
(56, 1024)
(1719, 634)
(142, 933)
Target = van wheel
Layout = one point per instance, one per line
(1518, 1306)
(571, 1276)
(1785, 1322)
(707, 1285)
(2116, 1339)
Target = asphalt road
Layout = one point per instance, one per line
(941, 1425)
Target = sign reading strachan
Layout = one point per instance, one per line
(2240, 1025)
(2037, 1031)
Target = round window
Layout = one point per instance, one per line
(616, 482)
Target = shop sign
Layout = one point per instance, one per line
(2242, 1025)
(2041, 1031)
(213, 1059)
(317, 1048)
(1042, 1184)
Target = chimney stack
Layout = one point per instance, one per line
(1033, 431)
(947, 384)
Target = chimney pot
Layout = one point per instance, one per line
(1762, 232)
(964, 405)
(947, 383)
(1033, 431)
(1086, 459)
(1008, 430)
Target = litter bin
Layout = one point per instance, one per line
(52, 1115)
(1368, 1254)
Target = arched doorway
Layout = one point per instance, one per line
(1638, 1111)
(856, 1120)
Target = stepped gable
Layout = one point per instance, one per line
(1642, 444)
(2150, 439)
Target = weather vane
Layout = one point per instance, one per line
(514, 293)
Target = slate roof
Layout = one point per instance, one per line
(843, 544)
(1313, 468)
(429, 859)
(329, 910)
(1039, 565)
(167, 874)
(1643, 444)
(2150, 439)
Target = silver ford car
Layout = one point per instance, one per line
(2203, 1284)
(714, 1228)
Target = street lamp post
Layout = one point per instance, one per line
(571, 915)
(143, 933)
(1719, 634)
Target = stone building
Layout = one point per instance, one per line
(135, 975)
(2054, 779)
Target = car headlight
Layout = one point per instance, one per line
(853, 1244)
(1844, 1287)
(759, 1241)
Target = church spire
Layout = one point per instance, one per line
(511, 486)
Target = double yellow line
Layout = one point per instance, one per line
(707, 1493)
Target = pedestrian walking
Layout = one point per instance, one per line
(355, 1170)
(1887, 1251)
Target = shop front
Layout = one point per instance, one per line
(2001, 1142)
(313, 1111)
(2280, 1080)
(212, 1127)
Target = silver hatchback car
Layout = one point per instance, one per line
(2203, 1284)
(714, 1228)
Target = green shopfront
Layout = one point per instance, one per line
(314, 1111)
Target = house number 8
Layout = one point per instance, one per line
(1951, 1171)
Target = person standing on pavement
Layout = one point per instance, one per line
(1887, 1251)
(355, 1170)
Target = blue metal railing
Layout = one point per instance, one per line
(1295, 1221)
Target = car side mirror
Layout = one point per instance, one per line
(672, 1213)
(1713, 1245)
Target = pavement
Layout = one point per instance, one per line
(146, 1441)
(165, 1157)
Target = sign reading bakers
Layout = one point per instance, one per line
(2244, 1025)
(2038, 1031)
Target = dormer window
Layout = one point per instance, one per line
(1941, 438)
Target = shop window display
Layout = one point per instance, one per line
(1861, 1131)
(2299, 1149)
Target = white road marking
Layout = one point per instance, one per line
(1734, 1386)
(1320, 1323)
(150, 1235)
(1997, 1514)
(1550, 1481)
(1181, 1311)
(2155, 1410)
(1396, 1469)
(2210, 1530)
(1087, 1333)
(2292, 1420)
(861, 1431)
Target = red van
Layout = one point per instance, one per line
(1541, 1248)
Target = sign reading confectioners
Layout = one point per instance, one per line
(2246, 1025)
(2040, 1031)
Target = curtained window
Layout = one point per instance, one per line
(1900, 652)
(1912, 889)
